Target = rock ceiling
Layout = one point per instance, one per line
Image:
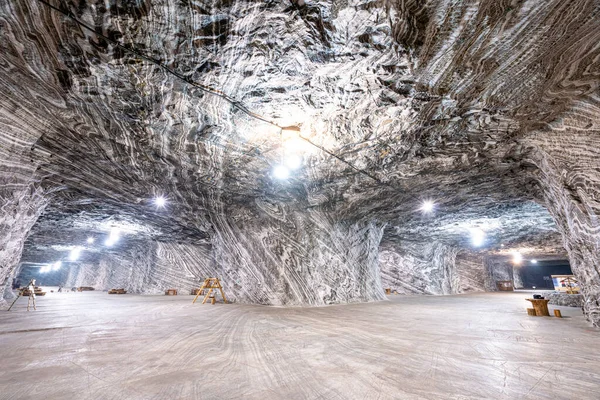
(489, 108)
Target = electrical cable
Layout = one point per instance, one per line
(235, 103)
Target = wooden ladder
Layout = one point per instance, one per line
(210, 284)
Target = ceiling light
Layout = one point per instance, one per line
(427, 206)
(75, 253)
(90, 240)
(534, 261)
(477, 237)
(296, 145)
(281, 172)
(517, 257)
(56, 266)
(113, 237)
(44, 269)
(160, 201)
(291, 128)
(293, 161)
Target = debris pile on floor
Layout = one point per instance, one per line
(38, 291)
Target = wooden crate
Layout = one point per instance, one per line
(171, 292)
(505, 286)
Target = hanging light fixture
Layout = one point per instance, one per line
(293, 161)
(282, 171)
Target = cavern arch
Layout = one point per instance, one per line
(488, 108)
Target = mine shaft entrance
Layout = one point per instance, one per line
(539, 275)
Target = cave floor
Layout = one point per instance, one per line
(94, 346)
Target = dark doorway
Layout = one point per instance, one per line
(538, 274)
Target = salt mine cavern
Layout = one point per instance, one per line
(300, 199)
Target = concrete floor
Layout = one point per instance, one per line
(481, 346)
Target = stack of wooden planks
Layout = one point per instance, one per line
(38, 291)
(117, 291)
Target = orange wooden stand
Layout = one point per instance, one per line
(210, 284)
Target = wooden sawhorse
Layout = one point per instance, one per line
(210, 284)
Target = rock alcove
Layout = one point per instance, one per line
(488, 108)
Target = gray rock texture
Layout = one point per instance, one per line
(489, 108)
(257, 263)
(564, 299)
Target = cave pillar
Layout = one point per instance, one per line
(570, 182)
(429, 268)
(496, 268)
(577, 221)
(418, 268)
(283, 257)
(19, 210)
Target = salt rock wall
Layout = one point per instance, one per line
(469, 272)
(564, 299)
(52, 278)
(551, 97)
(27, 112)
(416, 268)
(281, 256)
(569, 160)
(497, 268)
(18, 213)
(264, 261)
(128, 268)
(148, 268)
